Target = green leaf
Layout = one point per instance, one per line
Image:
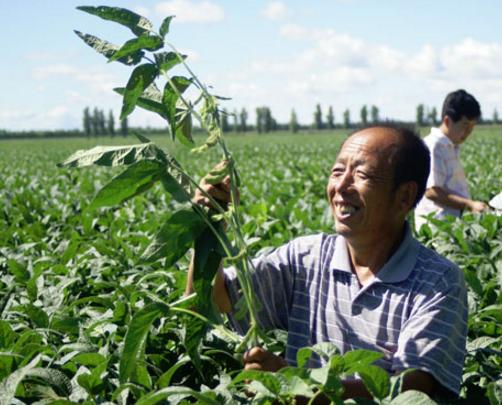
(148, 100)
(89, 359)
(175, 237)
(115, 155)
(141, 77)
(138, 24)
(184, 127)
(494, 392)
(19, 271)
(267, 379)
(135, 339)
(7, 335)
(54, 378)
(164, 27)
(167, 60)
(413, 397)
(376, 380)
(9, 385)
(360, 358)
(141, 138)
(324, 349)
(145, 41)
(207, 260)
(195, 331)
(108, 49)
(165, 379)
(176, 183)
(180, 392)
(137, 178)
(177, 85)
(37, 315)
(94, 382)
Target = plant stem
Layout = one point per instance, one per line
(243, 273)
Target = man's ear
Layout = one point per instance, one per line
(447, 121)
(407, 192)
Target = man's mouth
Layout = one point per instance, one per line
(345, 210)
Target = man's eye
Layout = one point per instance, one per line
(362, 175)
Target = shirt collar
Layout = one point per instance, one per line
(395, 270)
(437, 133)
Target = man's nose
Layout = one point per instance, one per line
(343, 182)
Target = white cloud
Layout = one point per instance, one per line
(338, 69)
(192, 11)
(98, 80)
(45, 72)
(293, 31)
(275, 11)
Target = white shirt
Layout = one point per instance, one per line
(446, 172)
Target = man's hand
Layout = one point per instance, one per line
(217, 189)
(476, 206)
(220, 192)
(258, 358)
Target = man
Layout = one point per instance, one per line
(447, 192)
(369, 286)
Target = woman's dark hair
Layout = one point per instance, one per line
(458, 104)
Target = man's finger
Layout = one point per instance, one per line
(255, 354)
(217, 193)
(253, 366)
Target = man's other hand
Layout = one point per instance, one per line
(258, 358)
(477, 206)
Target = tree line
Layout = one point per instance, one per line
(96, 123)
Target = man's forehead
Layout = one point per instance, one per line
(372, 145)
(373, 141)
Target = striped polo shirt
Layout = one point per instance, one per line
(414, 311)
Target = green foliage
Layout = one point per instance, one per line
(88, 275)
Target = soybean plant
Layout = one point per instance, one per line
(153, 58)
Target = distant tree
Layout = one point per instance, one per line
(264, 120)
(375, 118)
(102, 123)
(259, 120)
(86, 121)
(95, 121)
(346, 118)
(235, 121)
(243, 120)
(433, 116)
(318, 124)
(111, 123)
(420, 115)
(225, 127)
(293, 122)
(364, 115)
(124, 127)
(330, 118)
(270, 122)
(495, 116)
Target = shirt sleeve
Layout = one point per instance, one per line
(272, 279)
(433, 338)
(438, 173)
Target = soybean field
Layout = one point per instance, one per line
(83, 319)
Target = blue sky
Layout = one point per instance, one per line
(283, 54)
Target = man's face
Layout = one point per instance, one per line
(460, 130)
(361, 187)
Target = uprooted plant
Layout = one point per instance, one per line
(147, 164)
